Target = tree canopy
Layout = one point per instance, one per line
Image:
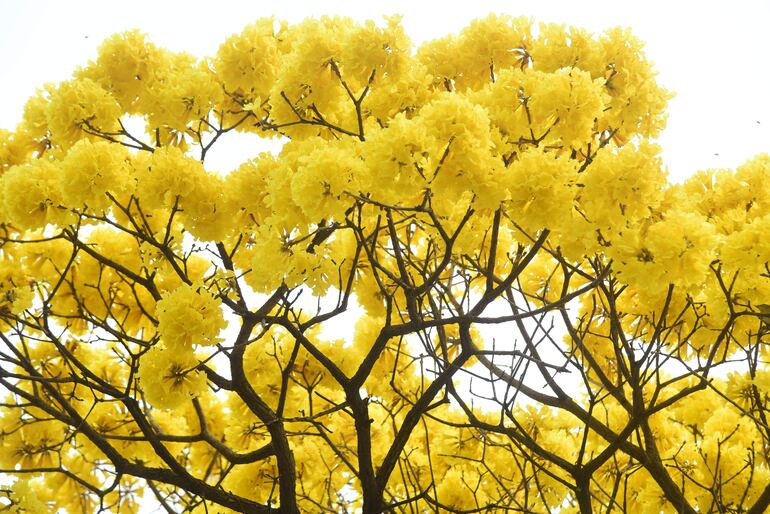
(463, 284)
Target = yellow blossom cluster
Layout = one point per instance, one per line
(168, 377)
(16, 290)
(189, 316)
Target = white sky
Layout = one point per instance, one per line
(712, 54)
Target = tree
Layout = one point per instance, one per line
(464, 284)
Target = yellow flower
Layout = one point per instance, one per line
(90, 171)
(77, 107)
(31, 195)
(124, 67)
(188, 316)
(25, 497)
(325, 179)
(181, 90)
(168, 377)
(247, 64)
(541, 190)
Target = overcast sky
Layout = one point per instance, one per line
(712, 54)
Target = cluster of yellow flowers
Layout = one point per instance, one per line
(188, 316)
(16, 293)
(168, 377)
